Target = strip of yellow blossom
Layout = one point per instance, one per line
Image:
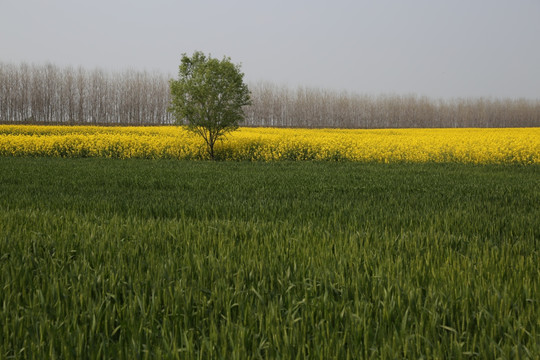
(479, 146)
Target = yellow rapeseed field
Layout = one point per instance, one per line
(479, 146)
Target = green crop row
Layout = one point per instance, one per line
(126, 259)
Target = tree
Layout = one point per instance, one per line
(209, 94)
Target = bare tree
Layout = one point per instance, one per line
(49, 94)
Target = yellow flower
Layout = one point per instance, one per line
(479, 146)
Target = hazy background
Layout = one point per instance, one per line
(458, 48)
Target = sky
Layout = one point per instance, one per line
(434, 48)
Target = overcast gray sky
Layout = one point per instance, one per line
(450, 48)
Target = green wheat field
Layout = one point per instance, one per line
(159, 259)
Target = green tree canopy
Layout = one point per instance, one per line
(209, 96)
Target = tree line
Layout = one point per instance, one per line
(48, 94)
(309, 107)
